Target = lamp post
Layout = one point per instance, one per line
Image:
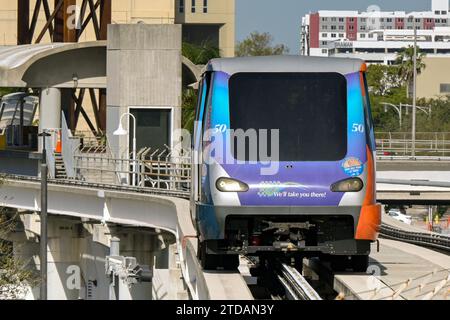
(44, 197)
(122, 132)
(413, 140)
(398, 109)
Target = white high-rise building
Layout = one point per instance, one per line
(376, 36)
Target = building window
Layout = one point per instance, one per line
(333, 27)
(333, 35)
(181, 8)
(417, 20)
(324, 43)
(363, 35)
(333, 19)
(341, 19)
(351, 27)
(325, 27)
(410, 19)
(437, 12)
(389, 19)
(444, 12)
(362, 28)
(382, 19)
(324, 19)
(341, 27)
(193, 6)
(444, 20)
(324, 35)
(445, 87)
(341, 35)
(352, 19)
(205, 6)
(363, 19)
(401, 20)
(371, 35)
(438, 20)
(324, 51)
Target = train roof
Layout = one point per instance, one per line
(285, 64)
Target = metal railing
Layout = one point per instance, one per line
(155, 169)
(296, 285)
(432, 240)
(400, 144)
(50, 146)
(69, 147)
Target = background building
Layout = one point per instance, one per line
(212, 20)
(376, 36)
(434, 81)
(208, 20)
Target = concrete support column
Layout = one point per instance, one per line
(50, 109)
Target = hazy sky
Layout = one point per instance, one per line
(282, 18)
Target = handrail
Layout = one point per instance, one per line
(432, 240)
(50, 146)
(69, 145)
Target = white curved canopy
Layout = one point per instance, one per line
(63, 65)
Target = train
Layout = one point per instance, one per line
(284, 162)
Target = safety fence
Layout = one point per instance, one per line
(426, 144)
(432, 240)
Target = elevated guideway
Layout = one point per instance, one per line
(401, 271)
(137, 210)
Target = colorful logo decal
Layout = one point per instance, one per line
(353, 167)
(273, 189)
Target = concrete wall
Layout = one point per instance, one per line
(144, 69)
(435, 74)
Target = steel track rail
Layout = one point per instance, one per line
(431, 240)
(296, 285)
(119, 188)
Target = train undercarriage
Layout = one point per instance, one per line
(331, 238)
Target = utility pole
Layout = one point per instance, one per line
(413, 140)
(44, 197)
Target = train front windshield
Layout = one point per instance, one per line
(308, 109)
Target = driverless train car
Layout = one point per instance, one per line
(284, 161)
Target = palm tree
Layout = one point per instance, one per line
(188, 107)
(405, 59)
(200, 54)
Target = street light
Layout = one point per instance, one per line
(122, 132)
(44, 207)
(413, 149)
(398, 109)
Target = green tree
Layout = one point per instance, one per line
(259, 44)
(405, 60)
(189, 108)
(15, 276)
(385, 86)
(200, 54)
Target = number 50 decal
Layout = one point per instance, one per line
(358, 128)
(220, 128)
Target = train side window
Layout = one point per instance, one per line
(368, 115)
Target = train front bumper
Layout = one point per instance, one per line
(212, 219)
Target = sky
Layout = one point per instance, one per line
(282, 18)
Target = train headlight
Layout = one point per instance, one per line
(348, 185)
(231, 185)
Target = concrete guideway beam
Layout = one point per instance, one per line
(136, 210)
